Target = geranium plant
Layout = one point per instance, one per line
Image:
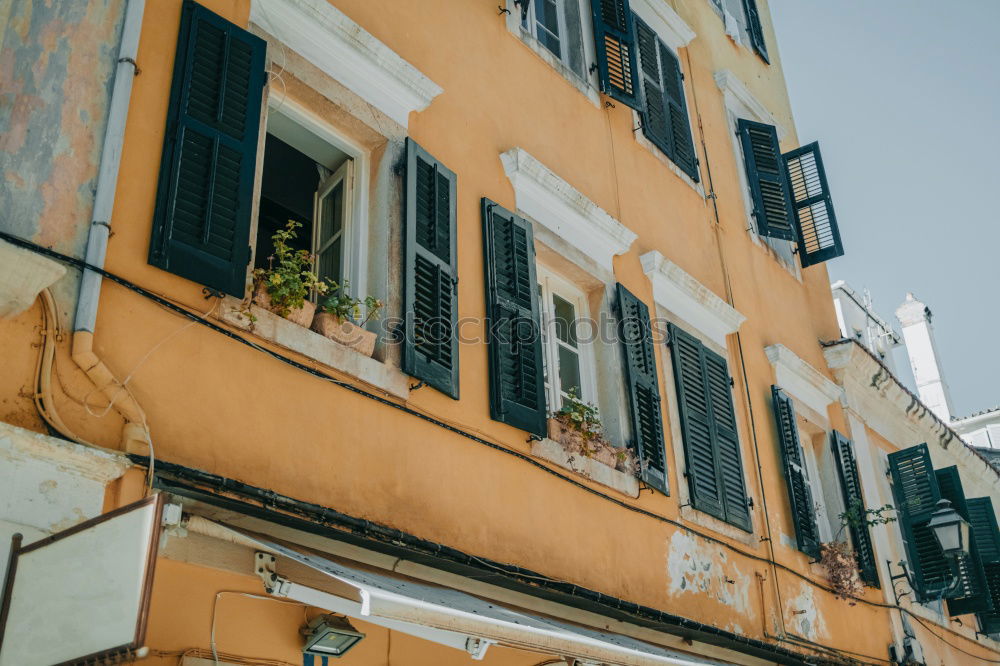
(345, 307)
(587, 439)
(289, 277)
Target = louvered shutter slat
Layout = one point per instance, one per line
(653, 111)
(815, 222)
(768, 180)
(643, 388)
(430, 270)
(517, 391)
(756, 29)
(696, 427)
(681, 141)
(201, 224)
(915, 487)
(615, 45)
(799, 491)
(730, 459)
(983, 526)
(850, 484)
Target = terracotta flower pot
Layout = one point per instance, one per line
(345, 332)
(302, 316)
(606, 454)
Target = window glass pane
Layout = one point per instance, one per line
(543, 306)
(565, 320)
(329, 261)
(331, 214)
(569, 370)
(547, 22)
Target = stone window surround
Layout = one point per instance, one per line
(680, 298)
(341, 48)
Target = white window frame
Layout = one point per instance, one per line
(586, 83)
(551, 284)
(532, 28)
(344, 176)
(355, 231)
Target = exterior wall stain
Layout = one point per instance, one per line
(806, 619)
(57, 62)
(705, 570)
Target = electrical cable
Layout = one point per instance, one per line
(162, 301)
(249, 595)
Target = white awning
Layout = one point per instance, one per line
(441, 614)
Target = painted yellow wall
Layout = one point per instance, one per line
(217, 405)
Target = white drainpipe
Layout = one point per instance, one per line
(135, 437)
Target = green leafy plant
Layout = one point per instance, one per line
(580, 416)
(289, 276)
(857, 515)
(583, 420)
(343, 306)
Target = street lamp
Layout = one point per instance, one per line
(950, 530)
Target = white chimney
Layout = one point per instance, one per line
(918, 334)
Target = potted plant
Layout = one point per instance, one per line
(839, 559)
(283, 287)
(577, 427)
(340, 318)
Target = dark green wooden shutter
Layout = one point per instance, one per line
(643, 388)
(914, 485)
(430, 272)
(517, 389)
(850, 484)
(768, 179)
(201, 225)
(793, 460)
(983, 526)
(664, 109)
(708, 427)
(815, 221)
(973, 595)
(615, 46)
(756, 29)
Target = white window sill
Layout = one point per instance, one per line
(696, 517)
(290, 335)
(793, 268)
(574, 79)
(588, 468)
(641, 139)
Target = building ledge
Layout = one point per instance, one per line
(588, 468)
(556, 205)
(681, 294)
(736, 94)
(665, 22)
(290, 335)
(801, 380)
(326, 37)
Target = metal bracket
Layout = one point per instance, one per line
(501, 10)
(264, 568)
(418, 385)
(132, 62)
(477, 647)
(211, 293)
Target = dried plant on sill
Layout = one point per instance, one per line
(588, 440)
(841, 565)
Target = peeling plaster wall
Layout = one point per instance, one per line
(57, 62)
(702, 569)
(803, 616)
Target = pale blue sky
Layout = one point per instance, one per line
(904, 98)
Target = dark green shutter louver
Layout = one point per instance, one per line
(915, 488)
(643, 388)
(815, 221)
(768, 180)
(797, 478)
(972, 595)
(708, 427)
(517, 389)
(201, 225)
(983, 526)
(756, 29)
(430, 272)
(850, 484)
(615, 46)
(663, 110)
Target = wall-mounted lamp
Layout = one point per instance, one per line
(330, 636)
(950, 529)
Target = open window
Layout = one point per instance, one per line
(568, 359)
(307, 179)
(558, 31)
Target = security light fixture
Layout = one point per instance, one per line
(950, 529)
(330, 636)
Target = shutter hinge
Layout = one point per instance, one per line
(593, 67)
(732, 383)
(682, 76)
(750, 502)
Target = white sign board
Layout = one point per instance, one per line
(81, 594)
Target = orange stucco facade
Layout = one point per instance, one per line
(213, 404)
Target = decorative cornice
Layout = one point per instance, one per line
(326, 37)
(681, 294)
(735, 92)
(664, 21)
(801, 380)
(888, 407)
(556, 205)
